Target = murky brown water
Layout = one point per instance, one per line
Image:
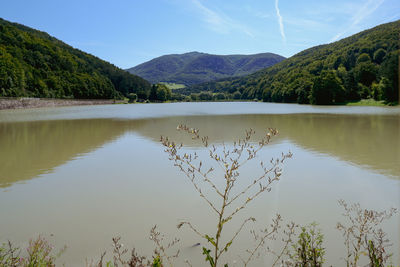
(86, 174)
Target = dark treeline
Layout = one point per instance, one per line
(34, 64)
(361, 66)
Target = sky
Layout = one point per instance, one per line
(129, 32)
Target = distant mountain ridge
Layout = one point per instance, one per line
(195, 67)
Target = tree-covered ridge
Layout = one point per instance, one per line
(364, 65)
(34, 64)
(194, 67)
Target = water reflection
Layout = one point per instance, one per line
(29, 149)
(371, 141)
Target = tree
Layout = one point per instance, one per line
(132, 97)
(389, 69)
(327, 89)
(379, 55)
(153, 93)
(364, 57)
(29, 58)
(365, 73)
(163, 93)
(236, 95)
(205, 96)
(219, 96)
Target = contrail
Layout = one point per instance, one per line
(278, 13)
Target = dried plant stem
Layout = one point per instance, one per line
(362, 229)
(229, 160)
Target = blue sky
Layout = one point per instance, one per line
(130, 32)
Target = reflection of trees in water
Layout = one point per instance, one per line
(29, 149)
(371, 140)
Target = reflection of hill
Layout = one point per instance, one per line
(29, 149)
(371, 140)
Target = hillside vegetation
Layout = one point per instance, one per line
(34, 64)
(194, 67)
(361, 66)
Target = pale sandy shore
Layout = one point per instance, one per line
(18, 103)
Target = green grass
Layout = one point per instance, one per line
(173, 86)
(367, 102)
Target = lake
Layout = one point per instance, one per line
(82, 175)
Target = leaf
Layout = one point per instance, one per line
(211, 240)
(208, 256)
(228, 245)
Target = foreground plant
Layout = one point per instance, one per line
(39, 253)
(362, 236)
(121, 257)
(230, 160)
(9, 255)
(308, 250)
(271, 234)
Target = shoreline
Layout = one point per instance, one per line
(28, 102)
(25, 102)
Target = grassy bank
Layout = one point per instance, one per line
(371, 102)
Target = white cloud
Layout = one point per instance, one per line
(367, 9)
(219, 22)
(280, 20)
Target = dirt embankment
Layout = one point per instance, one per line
(17, 103)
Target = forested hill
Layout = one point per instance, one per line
(364, 65)
(194, 67)
(34, 64)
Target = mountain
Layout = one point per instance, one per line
(364, 65)
(35, 64)
(194, 67)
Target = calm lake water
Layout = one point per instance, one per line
(82, 175)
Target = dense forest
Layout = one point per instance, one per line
(34, 64)
(194, 67)
(365, 65)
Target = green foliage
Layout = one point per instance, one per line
(160, 93)
(308, 250)
(365, 73)
(178, 97)
(327, 89)
(219, 96)
(209, 258)
(349, 59)
(236, 95)
(194, 97)
(375, 260)
(379, 55)
(163, 93)
(9, 256)
(173, 86)
(205, 96)
(157, 262)
(39, 254)
(364, 57)
(367, 102)
(132, 97)
(34, 64)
